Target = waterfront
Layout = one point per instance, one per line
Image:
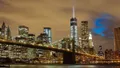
(63, 66)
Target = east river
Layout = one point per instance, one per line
(63, 66)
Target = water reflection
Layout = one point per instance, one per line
(62, 66)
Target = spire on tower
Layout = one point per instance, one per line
(73, 10)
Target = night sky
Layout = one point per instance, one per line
(103, 16)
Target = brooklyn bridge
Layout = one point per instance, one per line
(59, 55)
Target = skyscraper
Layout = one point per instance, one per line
(23, 31)
(90, 40)
(31, 51)
(84, 35)
(42, 38)
(3, 27)
(91, 45)
(20, 51)
(31, 38)
(4, 32)
(47, 30)
(0, 33)
(73, 28)
(8, 34)
(117, 39)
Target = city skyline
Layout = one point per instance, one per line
(33, 15)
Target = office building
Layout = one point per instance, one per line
(20, 52)
(31, 38)
(47, 30)
(90, 41)
(91, 45)
(117, 39)
(5, 33)
(4, 30)
(23, 31)
(0, 33)
(8, 34)
(84, 35)
(73, 28)
(42, 39)
(31, 51)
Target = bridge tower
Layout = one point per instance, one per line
(69, 57)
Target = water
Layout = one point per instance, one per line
(63, 66)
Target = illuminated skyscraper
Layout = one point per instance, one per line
(23, 31)
(4, 30)
(20, 51)
(31, 38)
(0, 33)
(8, 34)
(42, 38)
(84, 35)
(5, 33)
(47, 30)
(31, 52)
(90, 40)
(73, 28)
(117, 38)
(91, 45)
(3, 27)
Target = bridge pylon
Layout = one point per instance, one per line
(69, 57)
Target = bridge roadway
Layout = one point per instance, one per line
(37, 46)
(67, 53)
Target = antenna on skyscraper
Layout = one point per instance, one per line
(73, 8)
(73, 11)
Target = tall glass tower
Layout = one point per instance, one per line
(73, 27)
(47, 30)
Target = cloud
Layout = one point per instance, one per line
(56, 13)
(104, 25)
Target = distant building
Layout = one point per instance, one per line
(117, 39)
(73, 28)
(3, 28)
(8, 34)
(84, 35)
(5, 32)
(91, 45)
(0, 33)
(23, 31)
(110, 54)
(31, 51)
(21, 39)
(47, 30)
(42, 38)
(66, 43)
(31, 38)
(20, 52)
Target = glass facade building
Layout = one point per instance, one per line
(47, 30)
(73, 28)
(23, 31)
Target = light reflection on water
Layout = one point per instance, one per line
(62, 66)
